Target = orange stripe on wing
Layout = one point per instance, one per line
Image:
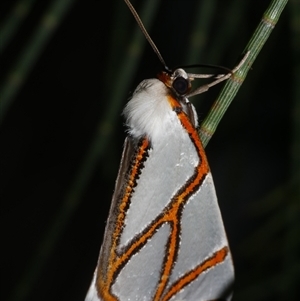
(105, 282)
(189, 277)
(182, 196)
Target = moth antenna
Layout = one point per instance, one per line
(145, 33)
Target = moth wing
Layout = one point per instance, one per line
(127, 154)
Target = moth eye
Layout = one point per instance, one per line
(180, 85)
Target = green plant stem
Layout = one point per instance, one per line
(258, 39)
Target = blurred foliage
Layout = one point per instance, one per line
(67, 69)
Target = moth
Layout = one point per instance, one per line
(164, 238)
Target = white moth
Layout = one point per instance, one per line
(164, 238)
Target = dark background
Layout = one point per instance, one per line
(62, 135)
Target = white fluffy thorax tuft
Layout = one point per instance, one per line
(149, 113)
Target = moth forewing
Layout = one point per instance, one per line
(165, 237)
